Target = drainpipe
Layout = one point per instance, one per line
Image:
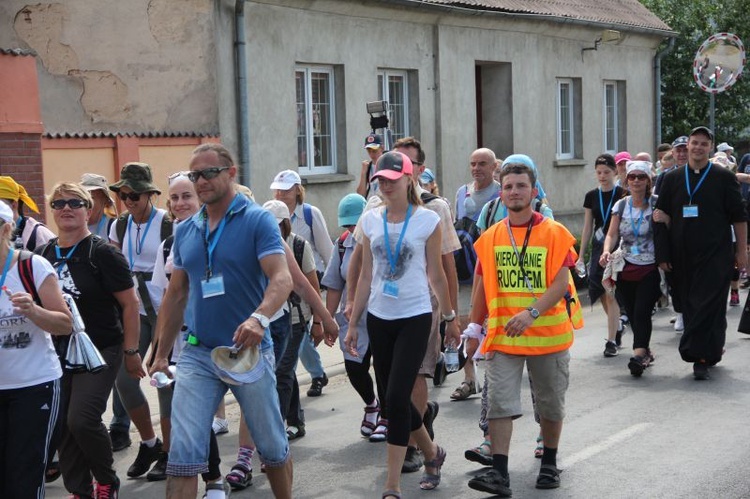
(243, 133)
(657, 83)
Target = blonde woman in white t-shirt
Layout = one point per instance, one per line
(401, 260)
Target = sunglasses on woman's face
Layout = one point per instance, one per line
(637, 176)
(207, 173)
(133, 196)
(59, 204)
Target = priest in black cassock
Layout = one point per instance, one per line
(702, 202)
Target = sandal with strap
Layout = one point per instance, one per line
(367, 427)
(225, 487)
(481, 454)
(548, 478)
(430, 481)
(464, 390)
(539, 450)
(239, 477)
(391, 493)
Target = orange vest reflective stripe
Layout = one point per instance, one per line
(507, 292)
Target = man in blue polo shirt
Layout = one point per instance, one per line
(226, 268)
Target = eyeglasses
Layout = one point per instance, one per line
(133, 196)
(207, 173)
(637, 176)
(59, 204)
(176, 175)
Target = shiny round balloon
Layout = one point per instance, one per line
(719, 62)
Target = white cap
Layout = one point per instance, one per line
(286, 180)
(641, 166)
(277, 208)
(6, 214)
(724, 147)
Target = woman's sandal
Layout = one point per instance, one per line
(466, 389)
(481, 454)
(539, 450)
(392, 493)
(239, 477)
(548, 478)
(366, 427)
(430, 481)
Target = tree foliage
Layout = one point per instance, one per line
(684, 104)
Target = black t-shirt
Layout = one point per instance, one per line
(92, 289)
(591, 201)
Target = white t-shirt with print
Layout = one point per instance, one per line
(27, 356)
(411, 264)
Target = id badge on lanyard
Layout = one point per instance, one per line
(212, 286)
(390, 289)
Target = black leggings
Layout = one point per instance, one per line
(639, 298)
(398, 347)
(359, 377)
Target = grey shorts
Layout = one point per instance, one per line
(551, 375)
(432, 353)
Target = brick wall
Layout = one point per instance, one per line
(21, 158)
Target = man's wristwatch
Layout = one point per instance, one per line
(534, 312)
(130, 351)
(264, 321)
(449, 317)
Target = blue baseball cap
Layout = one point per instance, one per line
(351, 207)
(520, 158)
(680, 141)
(427, 176)
(373, 141)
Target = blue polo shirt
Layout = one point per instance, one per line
(250, 234)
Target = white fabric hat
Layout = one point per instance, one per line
(724, 147)
(641, 166)
(278, 209)
(6, 214)
(94, 182)
(237, 367)
(286, 180)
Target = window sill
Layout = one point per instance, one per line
(328, 178)
(569, 162)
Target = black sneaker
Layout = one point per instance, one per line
(120, 440)
(637, 365)
(429, 416)
(619, 333)
(107, 491)
(610, 349)
(412, 461)
(700, 371)
(146, 456)
(159, 471)
(440, 372)
(493, 482)
(316, 388)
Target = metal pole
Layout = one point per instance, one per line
(712, 112)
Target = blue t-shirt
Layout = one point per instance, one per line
(250, 234)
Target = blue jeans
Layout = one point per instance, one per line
(310, 358)
(281, 330)
(196, 396)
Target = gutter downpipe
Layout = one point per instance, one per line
(243, 134)
(657, 87)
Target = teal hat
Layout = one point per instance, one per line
(520, 158)
(350, 209)
(427, 176)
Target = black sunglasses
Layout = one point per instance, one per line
(638, 176)
(207, 173)
(133, 196)
(59, 204)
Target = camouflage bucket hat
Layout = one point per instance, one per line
(138, 177)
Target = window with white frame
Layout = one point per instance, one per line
(611, 117)
(393, 86)
(565, 119)
(316, 123)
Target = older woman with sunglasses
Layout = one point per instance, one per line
(31, 309)
(96, 275)
(638, 281)
(138, 232)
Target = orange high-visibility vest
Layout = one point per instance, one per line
(507, 293)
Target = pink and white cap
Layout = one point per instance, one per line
(393, 165)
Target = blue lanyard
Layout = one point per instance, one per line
(392, 260)
(605, 215)
(6, 267)
(687, 181)
(212, 242)
(64, 258)
(636, 227)
(139, 247)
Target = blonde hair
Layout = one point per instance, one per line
(411, 194)
(6, 239)
(73, 188)
(300, 194)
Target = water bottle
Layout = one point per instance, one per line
(160, 379)
(581, 269)
(451, 358)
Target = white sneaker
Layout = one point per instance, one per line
(220, 426)
(678, 324)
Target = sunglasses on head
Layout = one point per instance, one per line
(637, 176)
(133, 196)
(59, 204)
(207, 173)
(177, 175)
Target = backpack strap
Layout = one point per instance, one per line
(166, 228)
(26, 273)
(121, 225)
(341, 248)
(31, 244)
(307, 214)
(298, 246)
(461, 195)
(491, 212)
(426, 197)
(167, 248)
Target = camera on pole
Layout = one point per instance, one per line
(378, 112)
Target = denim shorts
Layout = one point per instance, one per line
(197, 393)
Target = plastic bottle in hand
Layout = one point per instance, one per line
(451, 358)
(160, 379)
(581, 269)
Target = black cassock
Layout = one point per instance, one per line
(701, 253)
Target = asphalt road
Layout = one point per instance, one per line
(664, 435)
